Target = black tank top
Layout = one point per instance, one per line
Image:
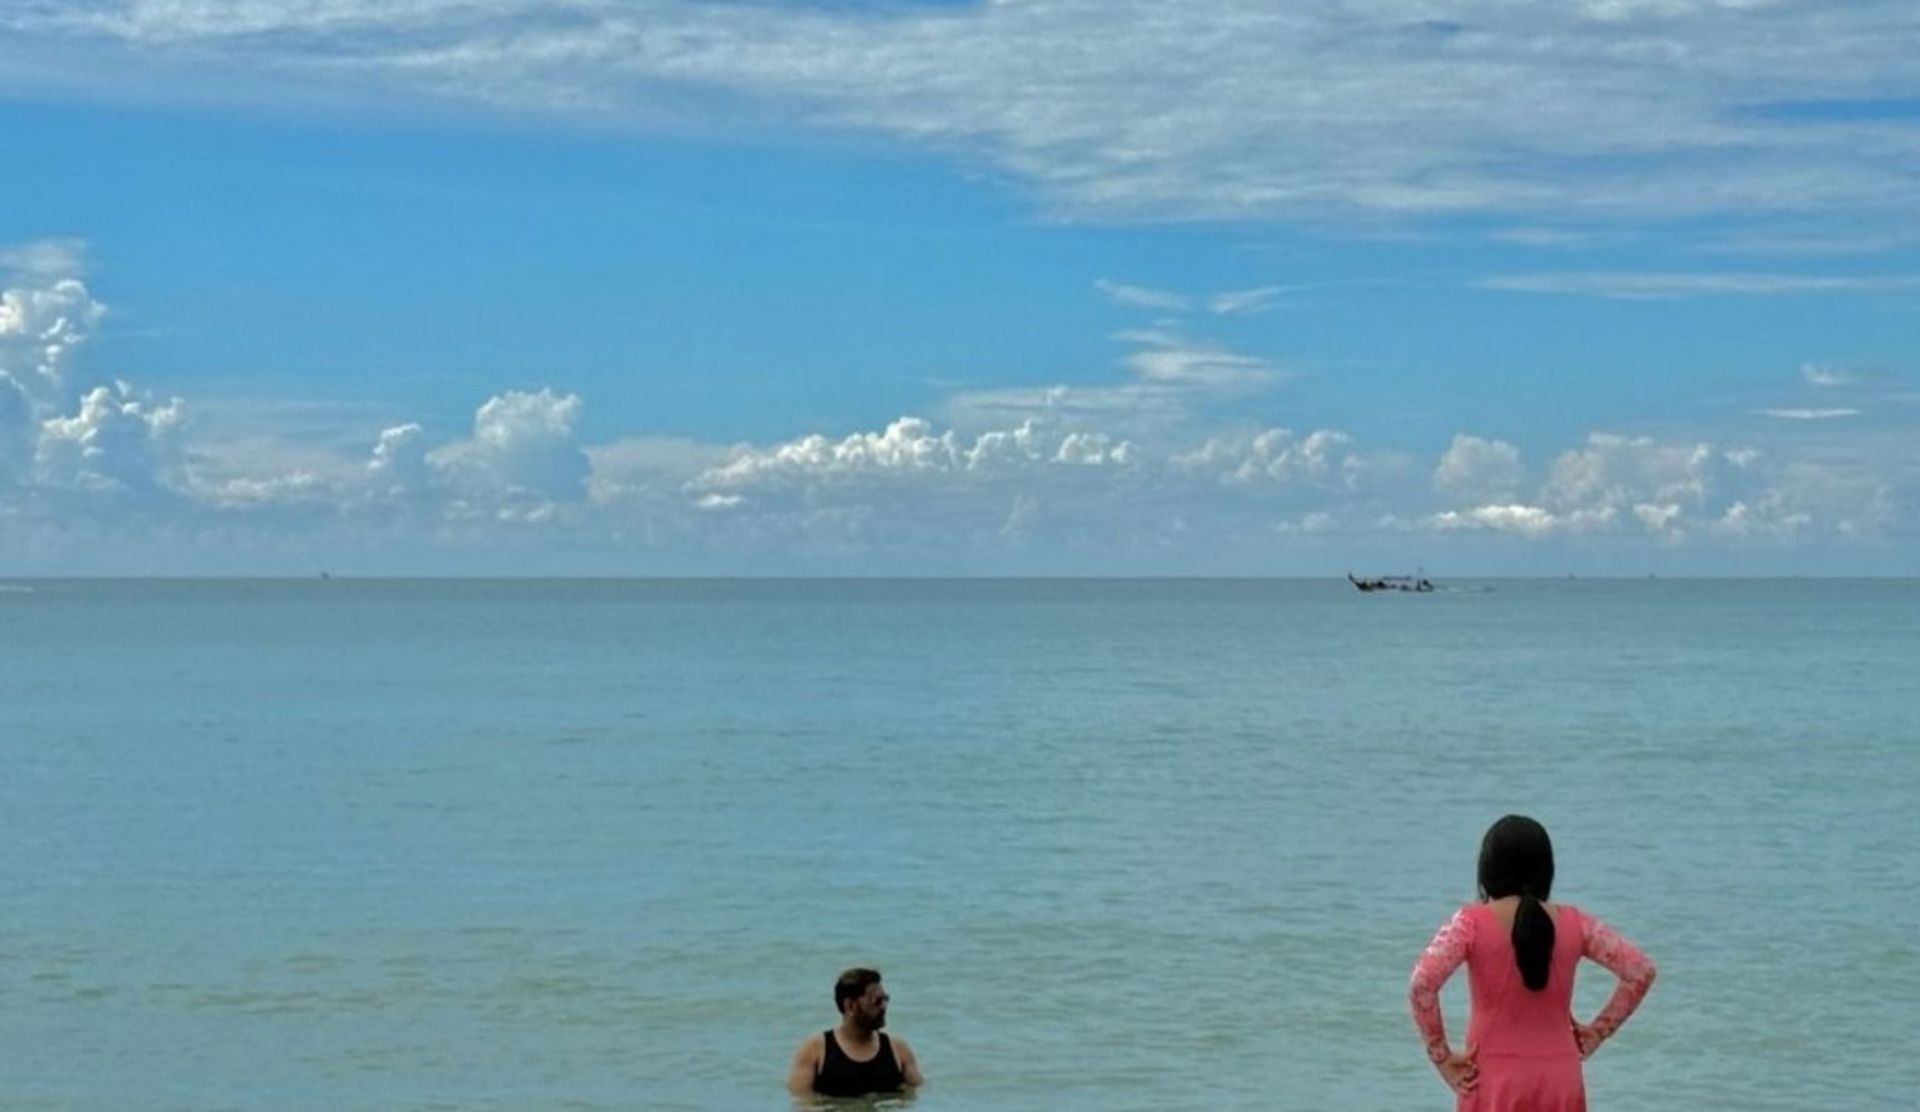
(841, 1076)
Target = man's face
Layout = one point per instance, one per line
(869, 1009)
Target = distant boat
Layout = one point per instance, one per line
(1417, 584)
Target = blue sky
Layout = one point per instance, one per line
(1036, 286)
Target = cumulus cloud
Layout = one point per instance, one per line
(1682, 492)
(522, 447)
(42, 322)
(1613, 472)
(117, 441)
(1769, 518)
(1529, 521)
(1275, 456)
(1479, 470)
(55, 435)
(910, 448)
(1611, 482)
(1216, 108)
(399, 464)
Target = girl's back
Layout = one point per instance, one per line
(1508, 1018)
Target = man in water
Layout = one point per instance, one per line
(855, 1058)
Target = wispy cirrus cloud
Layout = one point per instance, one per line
(1231, 303)
(1229, 109)
(1141, 297)
(60, 258)
(1828, 376)
(1553, 238)
(1818, 374)
(1645, 286)
(1809, 414)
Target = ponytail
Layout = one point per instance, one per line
(1533, 941)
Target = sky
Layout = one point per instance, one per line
(988, 287)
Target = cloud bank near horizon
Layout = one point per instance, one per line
(1137, 474)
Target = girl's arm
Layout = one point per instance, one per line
(1636, 972)
(1437, 962)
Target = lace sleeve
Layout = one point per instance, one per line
(1437, 962)
(1605, 945)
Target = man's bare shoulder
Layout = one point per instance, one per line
(909, 1063)
(807, 1058)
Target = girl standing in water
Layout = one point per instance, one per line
(1524, 1048)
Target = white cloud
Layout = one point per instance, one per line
(18, 431)
(1480, 470)
(1643, 286)
(522, 447)
(1558, 238)
(910, 449)
(1140, 297)
(292, 489)
(1091, 449)
(1769, 519)
(1172, 376)
(1808, 414)
(399, 464)
(1658, 518)
(117, 441)
(1274, 456)
(1244, 302)
(1203, 366)
(1227, 108)
(55, 434)
(1818, 375)
(648, 469)
(1828, 376)
(1133, 409)
(1613, 473)
(43, 321)
(1686, 493)
(1530, 521)
(46, 259)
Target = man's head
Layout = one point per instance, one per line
(861, 999)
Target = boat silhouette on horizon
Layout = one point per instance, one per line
(1417, 583)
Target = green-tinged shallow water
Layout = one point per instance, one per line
(1116, 845)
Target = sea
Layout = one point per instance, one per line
(1113, 844)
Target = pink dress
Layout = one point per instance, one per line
(1528, 1058)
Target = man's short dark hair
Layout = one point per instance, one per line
(852, 985)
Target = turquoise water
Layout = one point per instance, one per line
(1145, 844)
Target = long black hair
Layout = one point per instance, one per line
(1516, 859)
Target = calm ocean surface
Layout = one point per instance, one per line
(1115, 845)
